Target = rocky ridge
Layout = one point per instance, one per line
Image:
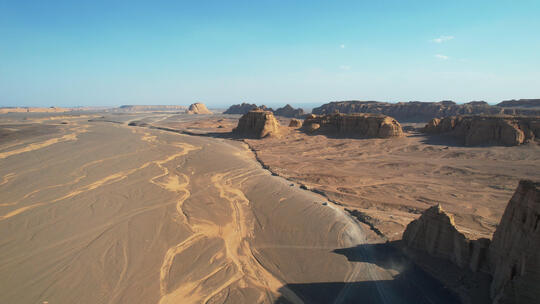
(353, 125)
(415, 111)
(289, 111)
(257, 124)
(198, 108)
(475, 130)
(520, 103)
(244, 108)
(512, 258)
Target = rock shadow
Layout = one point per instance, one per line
(409, 283)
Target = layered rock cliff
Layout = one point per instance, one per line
(415, 111)
(512, 258)
(520, 103)
(244, 108)
(354, 125)
(515, 249)
(487, 130)
(198, 108)
(257, 124)
(289, 111)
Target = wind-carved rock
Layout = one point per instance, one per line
(487, 130)
(416, 111)
(435, 233)
(289, 111)
(258, 124)
(515, 249)
(354, 125)
(198, 108)
(244, 108)
(295, 123)
(512, 258)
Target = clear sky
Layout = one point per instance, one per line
(68, 53)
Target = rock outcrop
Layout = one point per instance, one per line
(512, 258)
(33, 110)
(295, 123)
(198, 108)
(289, 111)
(487, 130)
(245, 108)
(515, 249)
(520, 103)
(435, 233)
(257, 124)
(354, 125)
(415, 111)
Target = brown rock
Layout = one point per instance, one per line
(354, 125)
(435, 233)
(243, 108)
(289, 111)
(476, 130)
(257, 123)
(515, 250)
(198, 108)
(295, 123)
(415, 111)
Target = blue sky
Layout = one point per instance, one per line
(68, 53)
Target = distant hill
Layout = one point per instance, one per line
(520, 103)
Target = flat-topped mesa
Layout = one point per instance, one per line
(289, 111)
(415, 111)
(515, 249)
(257, 124)
(354, 125)
(243, 108)
(435, 233)
(520, 103)
(475, 130)
(198, 108)
(141, 108)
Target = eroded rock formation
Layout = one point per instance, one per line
(520, 103)
(512, 258)
(258, 124)
(435, 233)
(415, 111)
(487, 130)
(354, 125)
(198, 108)
(289, 111)
(245, 108)
(515, 249)
(295, 123)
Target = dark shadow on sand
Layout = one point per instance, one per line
(410, 284)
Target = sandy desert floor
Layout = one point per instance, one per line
(93, 210)
(390, 181)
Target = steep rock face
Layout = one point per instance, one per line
(295, 123)
(435, 233)
(289, 111)
(415, 111)
(198, 108)
(244, 108)
(354, 125)
(258, 124)
(485, 130)
(515, 250)
(520, 103)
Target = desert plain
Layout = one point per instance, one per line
(160, 208)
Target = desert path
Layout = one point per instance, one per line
(101, 212)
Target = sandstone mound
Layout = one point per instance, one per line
(512, 258)
(487, 130)
(415, 111)
(354, 125)
(245, 108)
(295, 123)
(198, 108)
(289, 111)
(258, 124)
